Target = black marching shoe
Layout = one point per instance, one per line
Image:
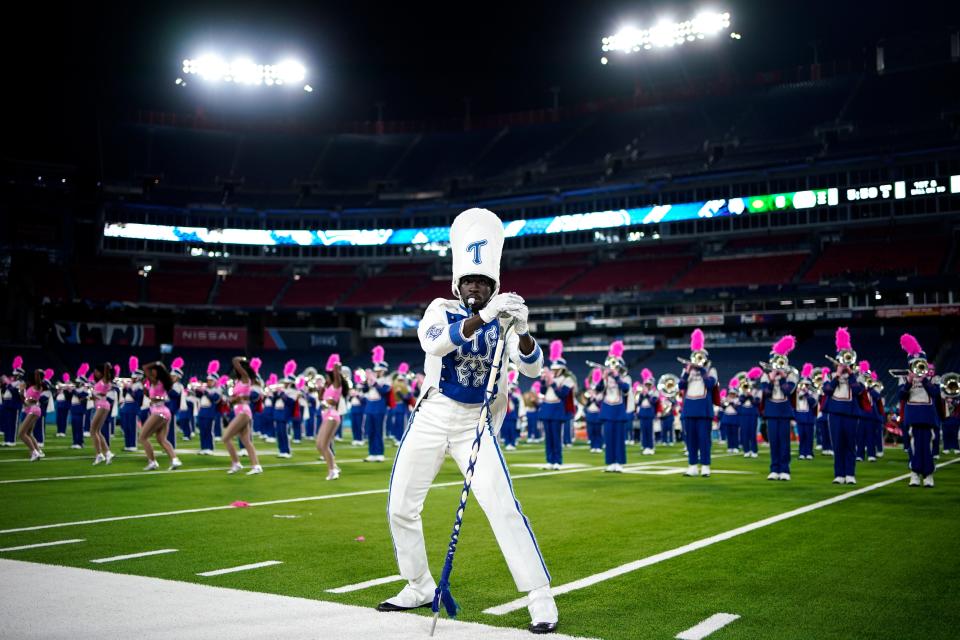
(388, 606)
(543, 627)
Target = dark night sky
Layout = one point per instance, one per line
(420, 59)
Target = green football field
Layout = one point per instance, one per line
(881, 564)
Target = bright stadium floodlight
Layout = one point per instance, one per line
(242, 70)
(667, 33)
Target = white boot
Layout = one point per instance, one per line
(691, 471)
(928, 481)
(773, 475)
(838, 480)
(914, 480)
(784, 476)
(543, 610)
(705, 471)
(416, 593)
(850, 480)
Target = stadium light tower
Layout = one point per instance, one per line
(212, 68)
(666, 33)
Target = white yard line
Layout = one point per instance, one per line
(589, 581)
(40, 602)
(365, 585)
(456, 483)
(130, 556)
(708, 626)
(243, 567)
(44, 544)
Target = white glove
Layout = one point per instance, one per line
(520, 317)
(503, 304)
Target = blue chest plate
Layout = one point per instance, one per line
(463, 376)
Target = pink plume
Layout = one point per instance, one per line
(48, 374)
(289, 368)
(616, 348)
(223, 380)
(909, 344)
(825, 372)
(646, 374)
(807, 370)
(116, 371)
(403, 368)
(358, 377)
(754, 373)
(723, 393)
(18, 362)
(556, 349)
(864, 366)
(301, 382)
(133, 363)
(734, 382)
(511, 376)
(784, 345)
(193, 380)
(65, 377)
(873, 375)
(82, 371)
(332, 361)
(535, 387)
(177, 363)
(378, 354)
(596, 376)
(272, 380)
(213, 367)
(843, 339)
(696, 340)
(255, 364)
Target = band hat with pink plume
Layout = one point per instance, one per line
(18, 366)
(82, 372)
(378, 357)
(332, 361)
(176, 367)
(65, 377)
(910, 344)
(557, 360)
(289, 368)
(616, 354)
(647, 376)
(213, 369)
(134, 365)
(755, 373)
(807, 370)
(476, 245)
(842, 341)
(783, 346)
(697, 341)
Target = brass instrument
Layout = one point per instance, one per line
(594, 365)
(697, 359)
(804, 387)
(918, 367)
(817, 380)
(668, 385)
(848, 358)
(401, 384)
(950, 385)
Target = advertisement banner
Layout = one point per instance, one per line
(132, 335)
(920, 311)
(706, 320)
(324, 339)
(210, 337)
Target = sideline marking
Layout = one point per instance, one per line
(708, 626)
(243, 567)
(130, 556)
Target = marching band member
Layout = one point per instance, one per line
(284, 399)
(877, 418)
(375, 389)
(919, 398)
(749, 412)
(805, 412)
(400, 402)
(950, 391)
(591, 410)
(667, 411)
(62, 404)
(778, 386)
(334, 391)
(78, 405)
(102, 382)
(269, 391)
(312, 397)
(130, 401)
(823, 429)
(12, 402)
(698, 382)
(729, 420)
(459, 338)
(615, 387)
(31, 392)
(299, 407)
(175, 398)
(647, 399)
(866, 417)
(357, 405)
(509, 431)
(532, 400)
(558, 387)
(842, 391)
(241, 424)
(208, 400)
(159, 381)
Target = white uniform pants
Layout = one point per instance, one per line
(442, 425)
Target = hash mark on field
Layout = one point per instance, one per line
(364, 585)
(708, 626)
(43, 544)
(243, 567)
(130, 556)
(629, 567)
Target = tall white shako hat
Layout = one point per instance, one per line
(476, 243)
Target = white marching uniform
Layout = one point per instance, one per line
(445, 420)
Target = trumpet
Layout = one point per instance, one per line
(701, 362)
(950, 385)
(848, 358)
(817, 381)
(594, 365)
(918, 367)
